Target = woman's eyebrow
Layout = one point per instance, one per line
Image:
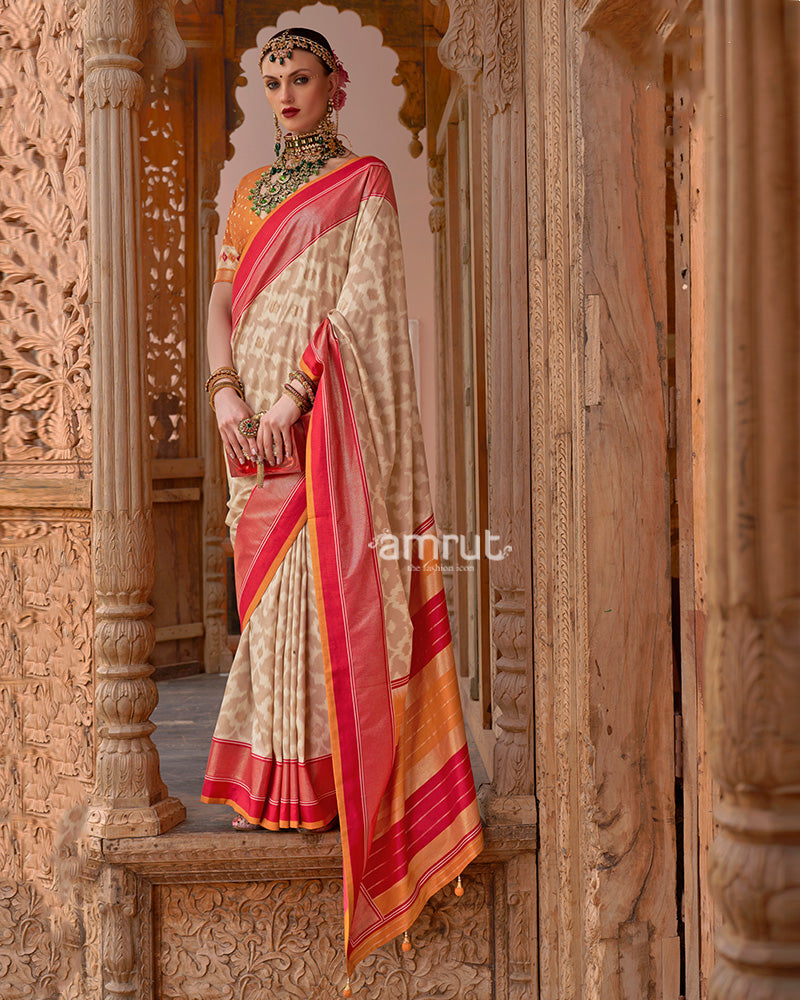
(268, 76)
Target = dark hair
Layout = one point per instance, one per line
(314, 36)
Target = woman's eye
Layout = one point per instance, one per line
(301, 79)
(271, 85)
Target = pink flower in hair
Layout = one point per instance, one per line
(340, 96)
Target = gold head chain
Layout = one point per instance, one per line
(281, 46)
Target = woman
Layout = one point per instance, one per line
(342, 700)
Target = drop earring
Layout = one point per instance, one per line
(278, 135)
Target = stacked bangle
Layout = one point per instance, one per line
(223, 378)
(309, 385)
(302, 401)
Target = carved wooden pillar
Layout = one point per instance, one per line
(217, 655)
(129, 797)
(472, 42)
(436, 220)
(753, 648)
(483, 44)
(211, 143)
(118, 909)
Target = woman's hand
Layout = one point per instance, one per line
(274, 441)
(231, 408)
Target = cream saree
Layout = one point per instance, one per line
(343, 697)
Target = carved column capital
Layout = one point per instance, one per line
(114, 34)
(460, 49)
(122, 38)
(114, 26)
(485, 37)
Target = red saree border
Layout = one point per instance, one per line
(312, 210)
(294, 194)
(360, 688)
(449, 868)
(268, 526)
(275, 794)
(360, 705)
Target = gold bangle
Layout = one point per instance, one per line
(303, 403)
(222, 371)
(306, 382)
(226, 380)
(223, 385)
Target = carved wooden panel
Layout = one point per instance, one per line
(44, 351)
(168, 122)
(262, 940)
(46, 750)
(165, 220)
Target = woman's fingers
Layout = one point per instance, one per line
(229, 413)
(275, 441)
(242, 447)
(265, 442)
(274, 444)
(280, 446)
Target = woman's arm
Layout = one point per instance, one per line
(274, 425)
(230, 408)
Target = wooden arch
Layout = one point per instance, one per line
(404, 26)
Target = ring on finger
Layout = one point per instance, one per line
(248, 426)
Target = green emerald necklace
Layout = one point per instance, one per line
(302, 158)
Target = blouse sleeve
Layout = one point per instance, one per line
(231, 250)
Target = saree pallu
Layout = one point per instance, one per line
(328, 263)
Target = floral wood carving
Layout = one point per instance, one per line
(164, 184)
(44, 351)
(501, 53)
(118, 908)
(268, 939)
(436, 217)
(46, 752)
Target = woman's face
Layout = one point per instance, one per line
(301, 84)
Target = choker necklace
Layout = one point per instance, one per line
(302, 157)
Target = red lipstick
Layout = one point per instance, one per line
(290, 112)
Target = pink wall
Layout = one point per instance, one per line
(370, 125)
